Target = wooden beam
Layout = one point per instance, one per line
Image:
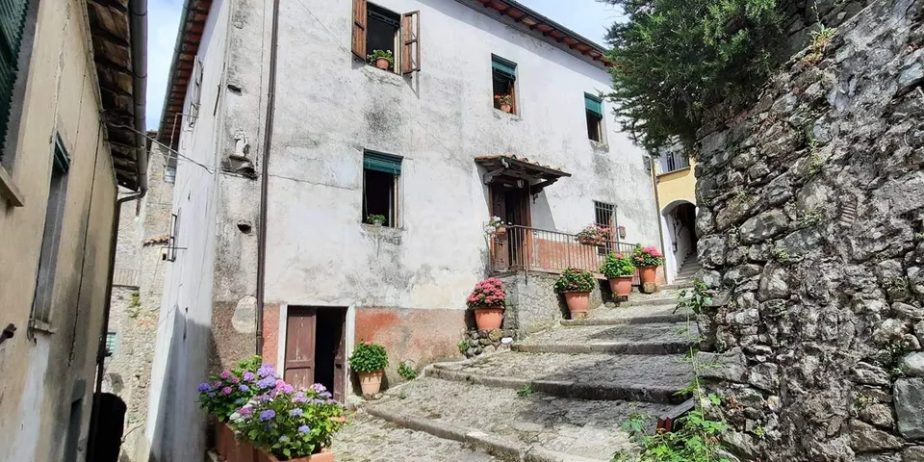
(667, 422)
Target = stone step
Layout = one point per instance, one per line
(645, 378)
(536, 423)
(663, 297)
(638, 339)
(646, 314)
(366, 438)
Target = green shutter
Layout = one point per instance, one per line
(382, 163)
(594, 105)
(12, 20)
(504, 67)
(62, 162)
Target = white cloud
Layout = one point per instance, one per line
(163, 25)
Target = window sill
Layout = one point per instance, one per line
(673, 172)
(506, 115)
(9, 191)
(381, 229)
(375, 72)
(599, 146)
(41, 326)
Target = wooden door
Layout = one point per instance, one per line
(499, 209)
(301, 332)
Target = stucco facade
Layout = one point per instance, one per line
(48, 372)
(402, 286)
(676, 189)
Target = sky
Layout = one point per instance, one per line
(588, 18)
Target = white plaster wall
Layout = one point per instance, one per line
(682, 235)
(175, 427)
(330, 107)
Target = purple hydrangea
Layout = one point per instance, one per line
(296, 412)
(211, 394)
(243, 388)
(324, 394)
(204, 387)
(249, 377)
(267, 415)
(226, 390)
(318, 388)
(245, 410)
(304, 429)
(299, 398)
(266, 370)
(267, 382)
(225, 374)
(288, 388)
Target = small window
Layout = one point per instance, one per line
(195, 98)
(605, 216)
(111, 338)
(13, 14)
(380, 188)
(505, 89)
(381, 33)
(51, 237)
(172, 237)
(673, 161)
(594, 111)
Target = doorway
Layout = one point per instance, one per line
(511, 205)
(315, 348)
(680, 240)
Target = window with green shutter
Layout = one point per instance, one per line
(504, 76)
(12, 22)
(593, 108)
(381, 173)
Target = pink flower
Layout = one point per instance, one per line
(226, 374)
(235, 380)
(226, 390)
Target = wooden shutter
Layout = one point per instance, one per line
(12, 21)
(410, 31)
(360, 18)
(301, 333)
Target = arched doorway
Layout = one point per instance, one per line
(678, 220)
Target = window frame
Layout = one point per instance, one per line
(672, 161)
(602, 208)
(173, 236)
(394, 217)
(598, 116)
(514, 79)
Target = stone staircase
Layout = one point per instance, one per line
(687, 272)
(559, 395)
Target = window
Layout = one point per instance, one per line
(196, 97)
(505, 89)
(594, 109)
(51, 238)
(605, 216)
(380, 187)
(111, 338)
(673, 161)
(376, 28)
(12, 23)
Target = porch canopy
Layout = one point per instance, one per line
(511, 171)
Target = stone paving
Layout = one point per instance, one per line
(368, 439)
(583, 428)
(674, 332)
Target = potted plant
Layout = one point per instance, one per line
(376, 220)
(618, 269)
(577, 285)
(222, 395)
(505, 102)
(495, 226)
(594, 235)
(382, 59)
(647, 260)
(369, 361)
(487, 301)
(285, 424)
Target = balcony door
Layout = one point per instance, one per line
(511, 204)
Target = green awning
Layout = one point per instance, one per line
(504, 67)
(382, 163)
(62, 162)
(594, 105)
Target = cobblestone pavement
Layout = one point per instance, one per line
(579, 427)
(674, 332)
(368, 439)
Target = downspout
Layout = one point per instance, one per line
(264, 177)
(138, 11)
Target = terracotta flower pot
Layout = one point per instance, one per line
(382, 63)
(596, 241)
(578, 303)
(648, 274)
(501, 230)
(489, 318)
(621, 286)
(371, 382)
(324, 456)
(242, 451)
(508, 108)
(224, 439)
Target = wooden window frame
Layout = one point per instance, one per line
(407, 54)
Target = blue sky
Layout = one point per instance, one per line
(586, 17)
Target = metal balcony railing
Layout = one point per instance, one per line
(519, 248)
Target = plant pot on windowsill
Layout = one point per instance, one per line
(508, 108)
(325, 455)
(382, 63)
(378, 223)
(578, 304)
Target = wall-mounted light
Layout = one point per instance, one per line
(622, 231)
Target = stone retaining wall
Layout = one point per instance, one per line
(811, 217)
(478, 342)
(533, 304)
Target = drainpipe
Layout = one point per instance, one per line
(139, 37)
(264, 177)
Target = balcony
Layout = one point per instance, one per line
(521, 248)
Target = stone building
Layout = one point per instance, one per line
(812, 238)
(137, 286)
(72, 92)
(289, 140)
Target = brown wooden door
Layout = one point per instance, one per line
(301, 332)
(340, 369)
(499, 209)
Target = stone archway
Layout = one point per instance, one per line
(678, 220)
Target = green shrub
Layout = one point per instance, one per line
(368, 357)
(575, 280)
(407, 371)
(674, 60)
(616, 265)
